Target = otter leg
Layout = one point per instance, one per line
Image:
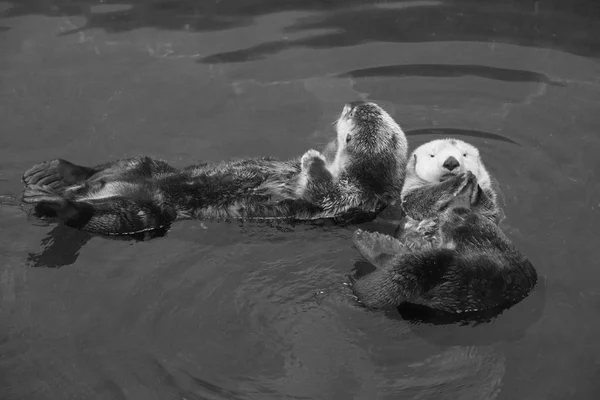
(139, 212)
(409, 279)
(132, 169)
(56, 174)
(59, 174)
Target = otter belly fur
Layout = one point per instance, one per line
(436, 172)
(140, 194)
(473, 266)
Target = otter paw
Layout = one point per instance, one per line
(310, 157)
(462, 180)
(470, 189)
(34, 194)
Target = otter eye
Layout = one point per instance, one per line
(348, 138)
(464, 155)
(432, 155)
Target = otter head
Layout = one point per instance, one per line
(441, 159)
(371, 148)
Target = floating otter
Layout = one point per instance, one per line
(435, 174)
(141, 194)
(472, 267)
(321, 181)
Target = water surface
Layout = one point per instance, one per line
(230, 311)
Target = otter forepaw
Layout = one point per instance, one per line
(470, 190)
(310, 157)
(462, 180)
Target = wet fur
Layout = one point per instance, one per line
(475, 267)
(141, 194)
(357, 134)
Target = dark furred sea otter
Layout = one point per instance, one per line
(470, 267)
(141, 194)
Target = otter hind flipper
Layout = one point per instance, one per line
(377, 248)
(121, 216)
(407, 278)
(116, 215)
(56, 174)
(46, 201)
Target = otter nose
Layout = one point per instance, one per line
(450, 163)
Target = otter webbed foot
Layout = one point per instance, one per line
(56, 174)
(377, 248)
(106, 216)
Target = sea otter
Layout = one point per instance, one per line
(321, 172)
(472, 268)
(141, 194)
(435, 173)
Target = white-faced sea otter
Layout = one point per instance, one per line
(141, 194)
(450, 255)
(472, 267)
(435, 173)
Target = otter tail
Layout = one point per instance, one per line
(107, 216)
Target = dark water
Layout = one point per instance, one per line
(223, 311)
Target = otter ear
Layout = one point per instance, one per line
(378, 249)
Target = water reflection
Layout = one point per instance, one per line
(481, 328)
(62, 245)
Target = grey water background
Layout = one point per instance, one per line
(230, 311)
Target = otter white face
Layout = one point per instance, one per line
(441, 159)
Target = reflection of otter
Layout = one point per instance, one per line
(141, 194)
(474, 266)
(435, 174)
